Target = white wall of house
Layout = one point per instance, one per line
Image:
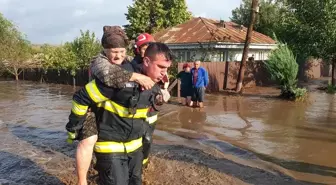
(219, 55)
(237, 55)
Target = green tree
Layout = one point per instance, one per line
(85, 47)
(283, 68)
(311, 30)
(177, 12)
(59, 58)
(67, 59)
(18, 58)
(153, 15)
(270, 17)
(144, 16)
(45, 56)
(7, 32)
(71, 56)
(15, 50)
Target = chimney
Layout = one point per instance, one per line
(222, 23)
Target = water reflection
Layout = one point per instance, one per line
(191, 118)
(296, 132)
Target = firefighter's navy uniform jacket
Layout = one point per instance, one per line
(148, 135)
(152, 117)
(122, 120)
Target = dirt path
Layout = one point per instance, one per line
(173, 164)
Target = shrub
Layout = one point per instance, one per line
(283, 69)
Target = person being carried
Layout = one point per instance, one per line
(121, 114)
(106, 68)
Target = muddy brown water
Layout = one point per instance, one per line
(258, 139)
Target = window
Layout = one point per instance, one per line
(261, 55)
(193, 56)
(188, 56)
(183, 56)
(221, 59)
(215, 56)
(180, 56)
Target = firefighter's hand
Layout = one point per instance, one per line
(165, 81)
(165, 95)
(144, 81)
(159, 100)
(71, 137)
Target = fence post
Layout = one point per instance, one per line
(226, 74)
(179, 67)
(172, 85)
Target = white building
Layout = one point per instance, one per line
(211, 40)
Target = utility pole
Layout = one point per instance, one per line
(333, 77)
(254, 11)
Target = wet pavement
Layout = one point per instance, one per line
(255, 139)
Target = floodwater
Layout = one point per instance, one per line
(277, 142)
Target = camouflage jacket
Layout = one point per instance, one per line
(110, 74)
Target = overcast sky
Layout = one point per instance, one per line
(54, 22)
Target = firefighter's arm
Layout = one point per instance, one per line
(93, 93)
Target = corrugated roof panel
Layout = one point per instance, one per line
(204, 30)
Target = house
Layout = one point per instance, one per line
(212, 40)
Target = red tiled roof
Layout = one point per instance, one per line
(201, 29)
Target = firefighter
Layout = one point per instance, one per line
(121, 115)
(103, 68)
(141, 43)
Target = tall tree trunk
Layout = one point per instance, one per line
(254, 11)
(333, 80)
(74, 81)
(16, 74)
(40, 72)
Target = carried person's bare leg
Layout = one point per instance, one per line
(83, 158)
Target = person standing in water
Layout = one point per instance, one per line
(185, 77)
(200, 80)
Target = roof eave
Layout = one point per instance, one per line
(220, 45)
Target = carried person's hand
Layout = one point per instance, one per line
(144, 81)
